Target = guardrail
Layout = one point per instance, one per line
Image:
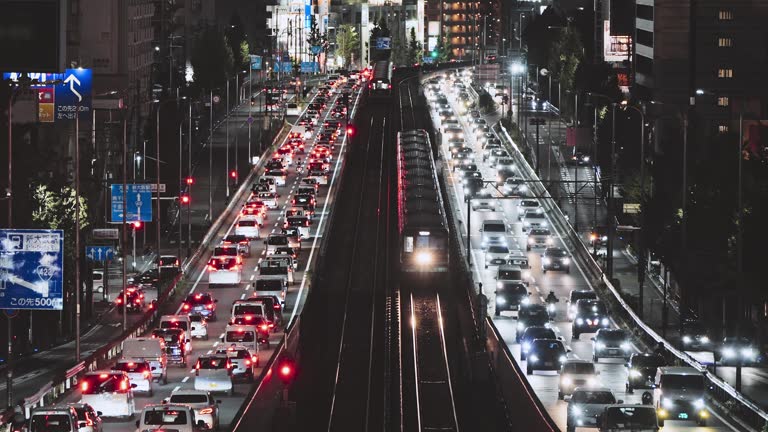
(749, 414)
(67, 378)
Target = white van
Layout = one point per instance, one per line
(110, 392)
(151, 350)
(245, 335)
(246, 308)
(169, 417)
(98, 281)
(277, 267)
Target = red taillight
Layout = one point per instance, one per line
(264, 327)
(254, 359)
(146, 374)
(186, 306)
(84, 386)
(124, 385)
(306, 223)
(119, 300)
(247, 362)
(88, 422)
(211, 268)
(206, 411)
(209, 306)
(276, 307)
(138, 301)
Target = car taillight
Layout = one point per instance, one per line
(89, 422)
(276, 307)
(146, 374)
(119, 300)
(211, 268)
(123, 385)
(138, 301)
(264, 327)
(206, 411)
(306, 223)
(247, 362)
(84, 386)
(186, 306)
(209, 306)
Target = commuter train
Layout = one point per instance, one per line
(422, 224)
(380, 85)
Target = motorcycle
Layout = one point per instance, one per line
(551, 309)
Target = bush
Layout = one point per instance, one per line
(485, 102)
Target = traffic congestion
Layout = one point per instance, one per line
(193, 370)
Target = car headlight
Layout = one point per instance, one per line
(466, 190)
(698, 403)
(526, 223)
(533, 358)
(729, 352)
(523, 188)
(579, 321)
(520, 326)
(526, 346)
(748, 353)
(526, 301)
(634, 373)
(667, 403)
(526, 274)
(500, 300)
(566, 261)
(566, 381)
(585, 158)
(549, 240)
(604, 321)
(546, 261)
(687, 339)
(704, 339)
(576, 411)
(592, 382)
(562, 359)
(550, 307)
(499, 285)
(543, 223)
(531, 240)
(599, 345)
(423, 258)
(626, 346)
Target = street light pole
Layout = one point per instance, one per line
(189, 174)
(641, 261)
(226, 175)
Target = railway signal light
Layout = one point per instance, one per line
(350, 130)
(233, 174)
(286, 369)
(185, 199)
(190, 181)
(136, 225)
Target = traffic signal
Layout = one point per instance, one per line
(433, 54)
(185, 199)
(190, 181)
(136, 225)
(286, 369)
(350, 130)
(233, 174)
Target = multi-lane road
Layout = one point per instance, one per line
(612, 372)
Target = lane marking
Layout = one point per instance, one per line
(175, 389)
(185, 379)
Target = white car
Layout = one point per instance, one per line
(534, 219)
(244, 361)
(199, 327)
(248, 226)
(320, 177)
(109, 392)
(496, 255)
(292, 109)
(205, 407)
(268, 198)
(277, 175)
(527, 204)
(169, 417)
(139, 373)
(224, 271)
(576, 373)
(214, 373)
(484, 200)
(275, 241)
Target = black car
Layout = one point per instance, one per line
(641, 370)
(472, 186)
(614, 343)
(590, 316)
(531, 315)
(545, 354)
(274, 309)
(174, 344)
(575, 296)
(133, 298)
(555, 259)
(531, 333)
(738, 350)
(148, 279)
(510, 296)
(695, 336)
(579, 158)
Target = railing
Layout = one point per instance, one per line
(66, 379)
(721, 392)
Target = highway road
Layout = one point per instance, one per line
(183, 378)
(613, 372)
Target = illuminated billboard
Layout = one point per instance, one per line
(615, 48)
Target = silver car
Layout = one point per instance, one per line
(496, 255)
(586, 405)
(534, 219)
(214, 373)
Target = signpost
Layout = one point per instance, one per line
(100, 253)
(105, 233)
(383, 43)
(31, 269)
(255, 62)
(73, 93)
(631, 208)
(138, 200)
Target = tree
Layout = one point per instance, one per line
(399, 54)
(415, 52)
(565, 55)
(347, 43)
(235, 35)
(212, 58)
(444, 48)
(316, 38)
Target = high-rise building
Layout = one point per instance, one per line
(472, 27)
(708, 52)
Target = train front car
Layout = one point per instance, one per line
(424, 241)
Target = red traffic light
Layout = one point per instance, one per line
(286, 369)
(190, 180)
(233, 174)
(350, 130)
(185, 199)
(136, 225)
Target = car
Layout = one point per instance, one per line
(545, 354)
(586, 405)
(274, 241)
(278, 175)
(511, 273)
(200, 303)
(634, 417)
(224, 271)
(293, 236)
(50, 419)
(243, 243)
(149, 279)
(525, 205)
(514, 186)
(518, 258)
(88, 420)
(463, 155)
(248, 227)
(681, 394)
(266, 181)
(611, 343)
(530, 315)
(225, 250)
(292, 109)
(493, 233)
(205, 407)
(534, 332)
(579, 158)
(505, 168)
(472, 187)
(199, 328)
(576, 373)
(538, 238)
(641, 370)
(555, 258)
(487, 148)
(175, 345)
(169, 265)
(169, 417)
(590, 316)
(495, 255)
(320, 177)
(484, 200)
(510, 296)
(139, 373)
(534, 219)
(271, 285)
(109, 392)
(244, 362)
(695, 336)
(213, 373)
(466, 176)
(273, 309)
(738, 351)
(466, 167)
(268, 198)
(132, 300)
(259, 324)
(576, 295)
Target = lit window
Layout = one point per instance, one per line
(725, 73)
(722, 128)
(724, 42)
(725, 15)
(723, 101)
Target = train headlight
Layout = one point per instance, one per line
(423, 258)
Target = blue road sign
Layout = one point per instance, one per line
(383, 43)
(285, 66)
(255, 62)
(138, 200)
(315, 49)
(73, 90)
(31, 269)
(100, 253)
(310, 67)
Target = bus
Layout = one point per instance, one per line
(380, 85)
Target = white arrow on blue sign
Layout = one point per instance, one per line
(100, 253)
